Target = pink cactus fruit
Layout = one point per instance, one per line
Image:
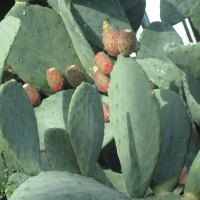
(55, 79)
(101, 80)
(109, 39)
(104, 63)
(127, 42)
(33, 94)
(75, 76)
(106, 112)
(183, 176)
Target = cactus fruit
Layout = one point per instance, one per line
(106, 112)
(75, 76)
(126, 42)
(183, 176)
(55, 79)
(33, 94)
(101, 80)
(109, 39)
(104, 63)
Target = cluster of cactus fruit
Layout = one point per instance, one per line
(80, 118)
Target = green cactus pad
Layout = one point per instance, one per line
(64, 186)
(136, 124)
(108, 134)
(18, 128)
(86, 126)
(100, 176)
(81, 45)
(192, 94)
(195, 15)
(166, 197)
(91, 14)
(42, 43)
(134, 11)
(9, 28)
(52, 113)
(165, 75)
(157, 37)
(176, 126)
(14, 181)
(117, 180)
(59, 151)
(175, 11)
(187, 58)
(192, 183)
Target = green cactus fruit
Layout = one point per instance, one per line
(104, 63)
(53, 113)
(33, 94)
(85, 124)
(9, 28)
(101, 80)
(106, 112)
(186, 58)
(19, 133)
(135, 121)
(175, 141)
(192, 191)
(75, 76)
(110, 39)
(55, 79)
(53, 185)
(14, 181)
(127, 42)
(59, 151)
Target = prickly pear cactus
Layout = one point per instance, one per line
(175, 141)
(57, 142)
(18, 133)
(50, 45)
(9, 28)
(53, 113)
(63, 185)
(86, 126)
(135, 122)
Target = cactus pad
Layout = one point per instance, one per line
(86, 126)
(19, 128)
(136, 124)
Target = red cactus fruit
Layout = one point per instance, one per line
(101, 80)
(104, 63)
(127, 42)
(33, 94)
(75, 76)
(106, 112)
(109, 39)
(55, 79)
(183, 176)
